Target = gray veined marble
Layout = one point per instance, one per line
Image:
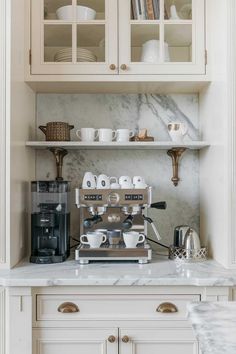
(161, 272)
(215, 326)
(153, 112)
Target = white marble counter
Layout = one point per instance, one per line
(215, 326)
(161, 272)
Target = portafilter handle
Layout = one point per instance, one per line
(128, 222)
(159, 205)
(90, 222)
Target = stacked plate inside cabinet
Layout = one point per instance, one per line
(83, 55)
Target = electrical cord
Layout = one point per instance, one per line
(158, 243)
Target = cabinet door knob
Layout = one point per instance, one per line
(112, 67)
(111, 339)
(125, 339)
(68, 307)
(167, 307)
(124, 67)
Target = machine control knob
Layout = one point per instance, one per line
(113, 198)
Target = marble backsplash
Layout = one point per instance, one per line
(150, 111)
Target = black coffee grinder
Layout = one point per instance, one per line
(50, 221)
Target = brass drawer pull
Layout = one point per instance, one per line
(167, 307)
(112, 67)
(111, 339)
(125, 339)
(68, 307)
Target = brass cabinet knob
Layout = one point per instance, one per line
(111, 339)
(167, 307)
(68, 307)
(113, 67)
(124, 67)
(125, 339)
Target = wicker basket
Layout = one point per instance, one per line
(56, 131)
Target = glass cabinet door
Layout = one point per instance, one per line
(74, 37)
(161, 37)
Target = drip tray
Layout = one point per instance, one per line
(142, 253)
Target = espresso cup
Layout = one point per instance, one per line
(139, 182)
(125, 182)
(123, 135)
(103, 182)
(132, 239)
(87, 134)
(106, 135)
(94, 239)
(114, 183)
(89, 181)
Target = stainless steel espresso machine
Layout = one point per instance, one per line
(120, 209)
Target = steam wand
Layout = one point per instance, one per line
(158, 205)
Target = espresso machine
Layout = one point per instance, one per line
(50, 221)
(110, 209)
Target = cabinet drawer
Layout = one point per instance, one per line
(107, 307)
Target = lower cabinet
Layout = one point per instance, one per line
(113, 324)
(114, 341)
(75, 341)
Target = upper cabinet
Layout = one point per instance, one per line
(131, 37)
(74, 37)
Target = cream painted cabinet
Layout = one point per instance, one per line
(68, 40)
(168, 37)
(74, 341)
(161, 341)
(117, 37)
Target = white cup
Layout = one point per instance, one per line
(106, 135)
(94, 239)
(89, 181)
(132, 239)
(87, 134)
(123, 135)
(114, 183)
(103, 182)
(125, 182)
(139, 182)
(177, 131)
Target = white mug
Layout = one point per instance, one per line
(89, 181)
(87, 134)
(103, 182)
(94, 239)
(177, 131)
(114, 183)
(123, 135)
(106, 135)
(125, 182)
(132, 239)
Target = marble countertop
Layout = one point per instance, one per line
(215, 326)
(161, 271)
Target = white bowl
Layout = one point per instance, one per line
(82, 13)
(85, 13)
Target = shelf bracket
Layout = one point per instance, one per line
(59, 154)
(175, 154)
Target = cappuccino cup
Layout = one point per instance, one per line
(132, 239)
(93, 239)
(177, 131)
